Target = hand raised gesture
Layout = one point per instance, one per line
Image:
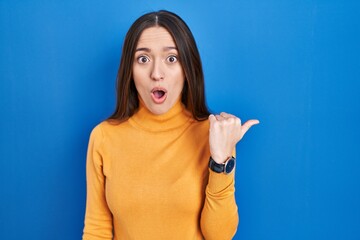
(225, 131)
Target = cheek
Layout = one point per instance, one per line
(181, 84)
(181, 81)
(138, 77)
(178, 75)
(140, 87)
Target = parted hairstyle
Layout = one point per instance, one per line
(193, 93)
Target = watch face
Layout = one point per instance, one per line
(230, 165)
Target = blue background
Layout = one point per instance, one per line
(294, 65)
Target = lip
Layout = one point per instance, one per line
(158, 100)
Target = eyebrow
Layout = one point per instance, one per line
(149, 50)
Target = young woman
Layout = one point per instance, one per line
(162, 166)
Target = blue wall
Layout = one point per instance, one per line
(295, 65)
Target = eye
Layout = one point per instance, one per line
(143, 59)
(172, 59)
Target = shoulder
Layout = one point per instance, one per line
(101, 132)
(97, 135)
(107, 126)
(200, 128)
(202, 124)
(101, 129)
(110, 130)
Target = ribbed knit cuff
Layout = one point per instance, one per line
(220, 182)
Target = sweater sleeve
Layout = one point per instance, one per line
(219, 217)
(98, 218)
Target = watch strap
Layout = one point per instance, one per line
(226, 167)
(216, 167)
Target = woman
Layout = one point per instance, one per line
(162, 167)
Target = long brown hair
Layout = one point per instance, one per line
(193, 94)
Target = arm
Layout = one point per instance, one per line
(219, 218)
(98, 218)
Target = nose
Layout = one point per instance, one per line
(157, 72)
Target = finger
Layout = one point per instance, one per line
(231, 117)
(227, 115)
(220, 118)
(247, 125)
(212, 119)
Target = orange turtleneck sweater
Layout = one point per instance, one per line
(148, 178)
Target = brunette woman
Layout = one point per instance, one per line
(162, 166)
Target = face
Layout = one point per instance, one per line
(157, 72)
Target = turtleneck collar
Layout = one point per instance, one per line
(176, 117)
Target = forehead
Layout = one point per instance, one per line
(155, 36)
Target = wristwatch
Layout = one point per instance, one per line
(226, 167)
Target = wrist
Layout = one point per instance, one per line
(220, 159)
(227, 167)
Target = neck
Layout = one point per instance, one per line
(177, 116)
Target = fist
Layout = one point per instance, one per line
(224, 133)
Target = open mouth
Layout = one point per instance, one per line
(158, 95)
